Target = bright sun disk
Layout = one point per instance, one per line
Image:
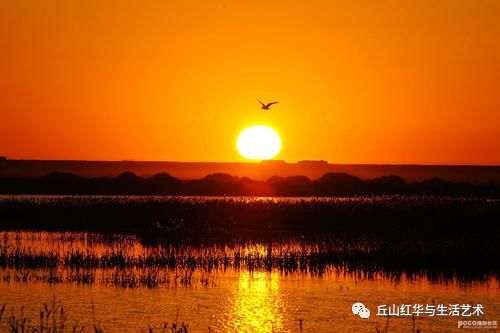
(259, 143)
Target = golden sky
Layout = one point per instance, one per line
(391, 81)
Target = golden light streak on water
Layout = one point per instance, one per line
(256, 304)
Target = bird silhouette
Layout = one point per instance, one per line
(267, 106)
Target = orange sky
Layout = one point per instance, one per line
(359, 81)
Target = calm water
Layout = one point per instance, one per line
(221, 299)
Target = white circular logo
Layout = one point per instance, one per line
(358, 309)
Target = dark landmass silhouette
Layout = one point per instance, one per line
(221, 184)
(257, 171)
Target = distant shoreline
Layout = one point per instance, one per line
(259, 171)
(330, 184)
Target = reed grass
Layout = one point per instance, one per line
(393, 235)
(53, 319)
(244, 217)
(84, 258)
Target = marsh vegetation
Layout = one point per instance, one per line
(235, 262)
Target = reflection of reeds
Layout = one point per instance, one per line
(85, 258)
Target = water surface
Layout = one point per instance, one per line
(223, 298)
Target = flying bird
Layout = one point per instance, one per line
(267, 106)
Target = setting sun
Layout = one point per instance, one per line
(259, 143)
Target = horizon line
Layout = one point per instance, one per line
(257, 162)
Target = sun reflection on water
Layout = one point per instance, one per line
(256, 304)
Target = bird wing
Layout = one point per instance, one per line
(262, 103)
(269, 104)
